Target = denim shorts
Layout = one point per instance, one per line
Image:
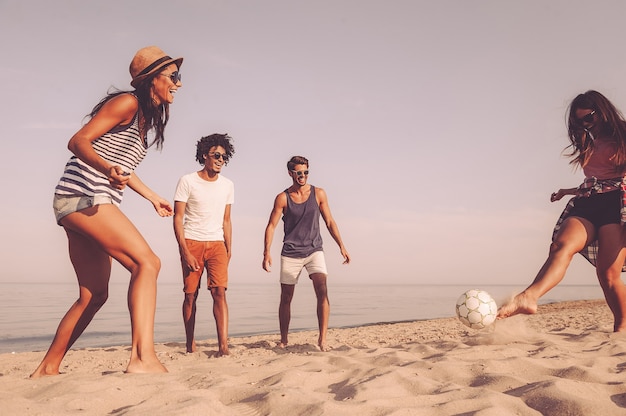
(67, 204)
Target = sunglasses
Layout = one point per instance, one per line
(175, 77)
(587, 118)
(300, 172)
(218, 156)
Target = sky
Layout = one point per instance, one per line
(437, 128)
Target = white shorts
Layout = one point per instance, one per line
(290, 268)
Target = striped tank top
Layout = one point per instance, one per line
(121, 146)
(302, 227)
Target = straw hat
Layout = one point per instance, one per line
(148, 61)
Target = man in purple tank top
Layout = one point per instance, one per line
(300, 206)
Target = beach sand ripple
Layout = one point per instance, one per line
(562, 361)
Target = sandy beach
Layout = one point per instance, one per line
(562, 361)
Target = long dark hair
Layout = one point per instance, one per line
(155, 117)
(612, 126)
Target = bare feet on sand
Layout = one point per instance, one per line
(521, 303)
(43, 371)
(322, 344)
(146, 366)
(135, 366)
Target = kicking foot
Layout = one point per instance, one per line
(521, 303)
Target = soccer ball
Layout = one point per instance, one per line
(476, 309)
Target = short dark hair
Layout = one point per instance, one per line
(207, 142)
(297, 160)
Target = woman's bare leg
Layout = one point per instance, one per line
(117, 236)
(611, 255)
(93, 269)
(572, 237)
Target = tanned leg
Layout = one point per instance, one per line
(189, 319)
(220, 313)
(611, 255)
(93, 269)
(118, 237)
(323, 307)
(284, 312)
(572, 237)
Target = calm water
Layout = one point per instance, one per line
(30, 313)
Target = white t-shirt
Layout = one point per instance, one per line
(206, 202)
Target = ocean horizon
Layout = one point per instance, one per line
(30, 312)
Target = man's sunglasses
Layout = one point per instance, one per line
(175, 77)
(301, 172)
(587, 118)
(218, 156)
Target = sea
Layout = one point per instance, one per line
(30, 312)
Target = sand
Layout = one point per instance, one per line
(564, 360)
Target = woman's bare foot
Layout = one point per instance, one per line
(521, 303)
(152, 365)
(192, 347)
(43, 370)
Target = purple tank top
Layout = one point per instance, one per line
(302, 227)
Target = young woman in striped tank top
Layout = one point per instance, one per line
(106, 150)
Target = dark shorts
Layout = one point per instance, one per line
(599, 209)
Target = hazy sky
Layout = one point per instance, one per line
(436, 127)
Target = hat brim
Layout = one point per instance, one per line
(140, 78)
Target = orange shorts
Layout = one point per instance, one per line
(213, 256)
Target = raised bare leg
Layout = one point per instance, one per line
(574, 235)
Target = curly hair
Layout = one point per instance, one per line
(204, 145)
(297, 160)
(612, 126)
